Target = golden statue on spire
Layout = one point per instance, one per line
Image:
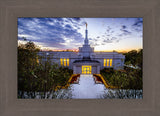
(86, 24)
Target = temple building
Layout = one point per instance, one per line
(86, 61)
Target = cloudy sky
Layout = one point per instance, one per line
(105, 34)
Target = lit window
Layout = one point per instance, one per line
(61, 62)
(107, 62)
(64, 62)
(110, 62)
(67, 62)
(104, 62)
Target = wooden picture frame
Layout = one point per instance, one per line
(10, 10)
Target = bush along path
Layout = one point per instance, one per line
(37, 76)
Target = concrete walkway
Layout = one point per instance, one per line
(87, 89)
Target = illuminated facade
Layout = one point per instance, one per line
(86, 61)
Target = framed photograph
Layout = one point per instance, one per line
(80, 58)
(53, 67)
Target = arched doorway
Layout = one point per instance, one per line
(86, 69)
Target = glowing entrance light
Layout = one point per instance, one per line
(86, 69)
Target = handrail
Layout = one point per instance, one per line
(104, 82)
(68, 83)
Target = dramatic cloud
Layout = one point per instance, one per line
(109, 36)
(124, 30)
(124, 27)
(138, 25)
(69, 33)
(108, 41)
(138, 22)
(49, 32)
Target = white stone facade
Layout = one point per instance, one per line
(86, 56)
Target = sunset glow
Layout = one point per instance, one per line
(61, 34)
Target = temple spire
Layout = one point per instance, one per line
(86, 26)
(86, 38)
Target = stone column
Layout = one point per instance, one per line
(98, 69)
(74, 69)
